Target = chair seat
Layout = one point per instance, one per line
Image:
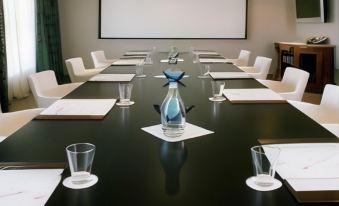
(320, 114)
(61, 90)
(277, 86)
(334, 128)
(11, 122)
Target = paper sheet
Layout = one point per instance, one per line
(309, 166)
(30, 187)
(212, 60)
(252, 95)
(126, 62)
(191, 131)
(112, 77)
(202, 52)
(309, 160)
(80, 107)
(137, 53)
(229, 75)
(314, 184)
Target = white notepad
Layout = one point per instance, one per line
(78, 109)
(309, 166)
(314, 184)
(28, 186)
(112, 78)
(136, 53)
(261, 95)
(127, 62)
(212, 60)
(229, 75)
(202, 52)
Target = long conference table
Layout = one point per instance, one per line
(136, 168)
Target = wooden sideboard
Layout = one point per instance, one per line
(317, 59)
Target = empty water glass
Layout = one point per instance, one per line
(264, 162)
(125, 91)
(80, 158)
(217, 91)
(204, 71)
(140, 69)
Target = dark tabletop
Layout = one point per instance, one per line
(136, 168)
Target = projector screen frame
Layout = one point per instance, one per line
(240, 38)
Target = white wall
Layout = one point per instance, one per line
(268, 21)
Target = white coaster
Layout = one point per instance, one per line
(125, 104)
(68, 183)
(217, 100)
(250, 182)
(191, 131)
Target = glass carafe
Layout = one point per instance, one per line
(173, 114)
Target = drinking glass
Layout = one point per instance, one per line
(217, 91)
(204, 71)
(140, 69)
(80, 158)
(264, 162)
(195, 58)
(125, 91)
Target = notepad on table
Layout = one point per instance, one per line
(257, 95)
(112, 78)
(137, 53)
(133, 57)
(229, 75)
(206, 52)
(78, 109)
(211, 56)
(311, 170)
(28, 186)
(212, 60)
(127, 62)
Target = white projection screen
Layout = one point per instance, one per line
(173, 19)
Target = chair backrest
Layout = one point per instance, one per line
(243, 58)
(99, 58)
(262, 64)
(330, 97)
(41, 81)
(75, 66)
(298, 79)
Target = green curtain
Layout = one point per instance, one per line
(3, 62)
(48, 47)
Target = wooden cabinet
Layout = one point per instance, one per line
(315, 59)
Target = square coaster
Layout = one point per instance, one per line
(191, 131)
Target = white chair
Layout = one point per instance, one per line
(292, 85)
(242, 59)
(260, 68)
(45, 88)
(99, 59)
(12, 121)
(77, 71)
(328, 110)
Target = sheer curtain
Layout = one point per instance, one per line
(20, 45)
